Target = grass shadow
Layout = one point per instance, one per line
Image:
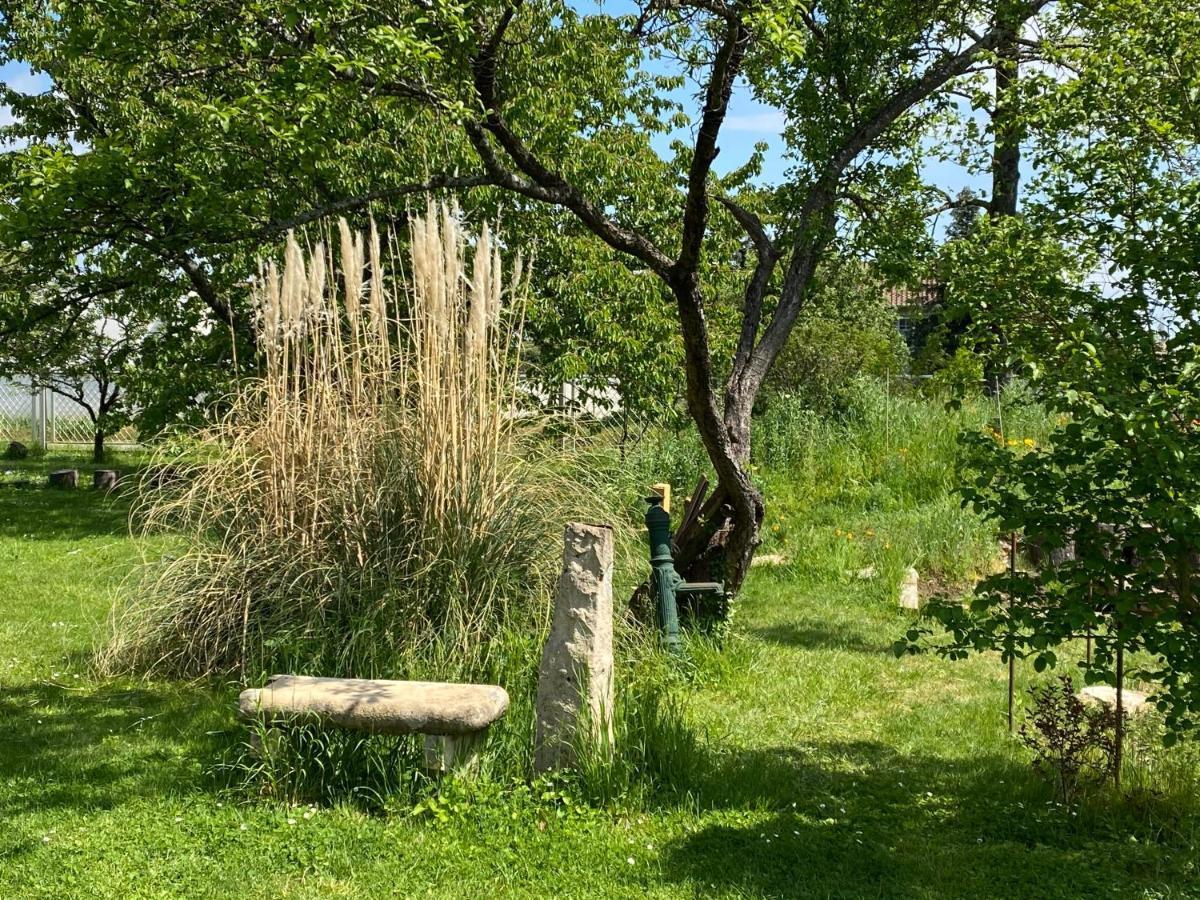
(47, 514)
(98, 746)
(860, 819)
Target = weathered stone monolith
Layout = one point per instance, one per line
(575, 683)
(1132, 702)
(910, 590)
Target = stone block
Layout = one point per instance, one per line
(1132, 702)
(378, 706)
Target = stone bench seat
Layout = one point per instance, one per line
(453, 717)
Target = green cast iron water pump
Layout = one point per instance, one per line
(666, 584)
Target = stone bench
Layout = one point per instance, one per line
(454, 718)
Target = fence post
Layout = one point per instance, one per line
(44, 436)
(33, 414)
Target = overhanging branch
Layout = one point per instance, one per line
(532, 177)
(350, 204)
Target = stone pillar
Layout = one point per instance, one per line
(576, 676)
(910, 590)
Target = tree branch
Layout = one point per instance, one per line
(537, 180)
(962, 203)
(817, 215)
(349, 204)
(716, 103)
(768, 257)
(204, 288)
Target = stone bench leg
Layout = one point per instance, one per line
(453, 752)
(265, 741)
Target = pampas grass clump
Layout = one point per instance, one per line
(372, 506)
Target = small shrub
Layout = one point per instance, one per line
(1071, 740)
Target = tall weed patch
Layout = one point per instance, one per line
(874, 489)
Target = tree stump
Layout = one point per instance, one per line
(64, 478)
(105, 479)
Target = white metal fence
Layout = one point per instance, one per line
(40, 416)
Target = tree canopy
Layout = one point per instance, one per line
(179, 138)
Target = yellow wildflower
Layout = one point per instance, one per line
(1029, 442)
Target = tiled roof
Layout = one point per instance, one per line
(923, 294)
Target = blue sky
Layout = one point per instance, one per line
(18, 75)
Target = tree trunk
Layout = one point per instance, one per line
(722, 544)
(98, 446)
(1006, 147)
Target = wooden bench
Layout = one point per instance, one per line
(454, 718)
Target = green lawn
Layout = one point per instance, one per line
(835, 771)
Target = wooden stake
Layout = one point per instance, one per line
(887, 410)
(1119, 748)
(1088, 636)
(1012, 680)
(1012, 660)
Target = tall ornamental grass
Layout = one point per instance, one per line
(373, 504)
